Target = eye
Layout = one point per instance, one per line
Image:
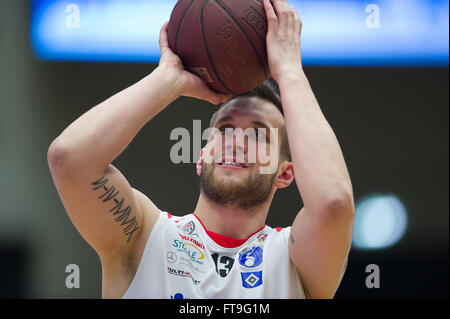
(260, 133)
(223, 127)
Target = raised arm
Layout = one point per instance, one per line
(322, 231)
(103, 206)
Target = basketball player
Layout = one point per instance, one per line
(223, 249)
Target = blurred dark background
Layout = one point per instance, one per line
(392, 124)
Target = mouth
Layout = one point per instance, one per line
(232, 164)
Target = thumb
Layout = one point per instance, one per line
(212, 96)
(220, 98)
(198, 89)
(223, 98)
(163, 38)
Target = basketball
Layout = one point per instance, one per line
(221, 41)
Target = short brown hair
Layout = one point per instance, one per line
(268, 91)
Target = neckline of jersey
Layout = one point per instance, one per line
(225, 241)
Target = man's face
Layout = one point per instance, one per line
(236, 173)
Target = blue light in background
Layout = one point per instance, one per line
(410, 32)
(380, 222)
(107, 30)
(335, 32)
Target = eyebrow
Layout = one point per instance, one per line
(229, 118)
(223, 119)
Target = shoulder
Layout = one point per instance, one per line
(280, 233)
(277, 240)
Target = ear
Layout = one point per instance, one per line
(285, 175)
(200, 163)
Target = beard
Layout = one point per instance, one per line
(250, 192)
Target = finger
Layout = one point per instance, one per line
(282, 11)
(298, 22)
(279, 5)
(270, 14)
(292, 19)
(163, 37)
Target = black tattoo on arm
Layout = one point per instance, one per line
(292, 240)
(124, 216)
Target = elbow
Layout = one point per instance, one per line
(340, 204)
(57, 156)
(65, 160)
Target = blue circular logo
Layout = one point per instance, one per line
(251, 257)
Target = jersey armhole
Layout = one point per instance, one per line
(152, 234)
(298, 278)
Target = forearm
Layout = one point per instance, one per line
(96, 138)
(319, 167)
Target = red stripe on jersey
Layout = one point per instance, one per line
(278, 229)
(225, 241)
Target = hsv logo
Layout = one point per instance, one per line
(251, 257)
(251, 279)
(198, 244)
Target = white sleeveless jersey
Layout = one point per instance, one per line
(183, 260)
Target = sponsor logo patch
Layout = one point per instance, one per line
(192, 240)
(182, 273)
(261, 238)
(188, 228)
(171, 257)
(189, 249)
(251, 279)
(251, 257)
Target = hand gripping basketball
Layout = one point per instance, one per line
(283, 38)
(221, 41)
(192, 85)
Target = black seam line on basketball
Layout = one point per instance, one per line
(253, 29)
(256, 11)
(265, 19)
(176, 5)
(207, 50)
(246, 35)
(179, 24)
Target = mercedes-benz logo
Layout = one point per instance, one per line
(171, 257)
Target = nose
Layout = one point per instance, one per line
(235, 145)
(235, 151)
